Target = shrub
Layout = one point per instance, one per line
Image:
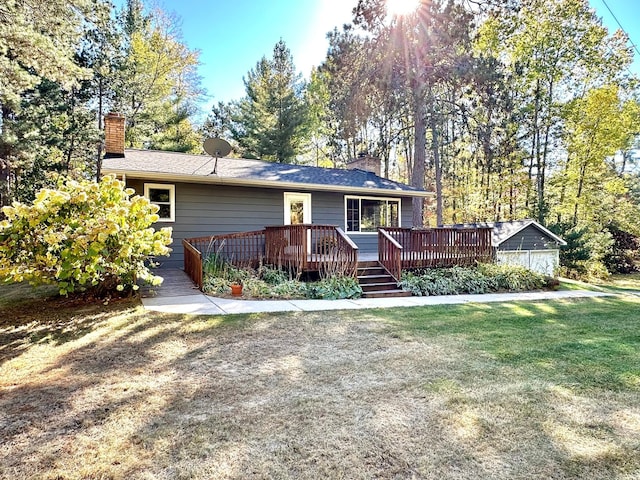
(624, 254)
(254, 287)
(334, 288)
(585, 252)
(514, 278)
(471, 280)
(216, 286)
(290, 289)
(82, 235)
(412, 283)
(482, 279)
(272, 275)
(266, 282)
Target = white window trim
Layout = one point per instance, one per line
(305, 197)
(172, 198)
(359, 197)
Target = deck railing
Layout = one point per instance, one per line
(390, 254)
(245, 249)
(443, 247)
(322, 248)
(193, 263)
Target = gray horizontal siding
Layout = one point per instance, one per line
(203, 210)
(530, 238)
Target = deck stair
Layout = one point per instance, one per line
(376, 282)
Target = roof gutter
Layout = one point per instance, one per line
(215, 180)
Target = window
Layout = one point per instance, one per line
(366, 214)
(165, 197)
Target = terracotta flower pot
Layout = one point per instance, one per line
(236, 289)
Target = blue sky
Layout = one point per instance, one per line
(232, 35)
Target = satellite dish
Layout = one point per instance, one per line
(216, 147)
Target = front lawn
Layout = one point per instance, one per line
(622, 283)
(514, 390)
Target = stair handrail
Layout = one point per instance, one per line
(390, 254)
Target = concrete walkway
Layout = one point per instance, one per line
(179, 295)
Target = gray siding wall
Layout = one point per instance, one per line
(203, 210)
(529, 239)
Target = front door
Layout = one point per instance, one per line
(297, 208)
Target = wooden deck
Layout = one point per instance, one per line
(326, 249)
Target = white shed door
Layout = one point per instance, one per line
(544, 261)
(541, 261)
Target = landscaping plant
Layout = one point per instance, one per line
(484, 278)
(84, 235)
(334, 288)
(271, 282)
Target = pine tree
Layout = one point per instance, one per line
(270, 122)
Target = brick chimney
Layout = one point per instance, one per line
(365, 162)
(114, 135)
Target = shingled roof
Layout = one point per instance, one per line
(171, 166)
(503, 231)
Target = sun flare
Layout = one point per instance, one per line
(402, 7)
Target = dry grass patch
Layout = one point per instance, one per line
(405, 393)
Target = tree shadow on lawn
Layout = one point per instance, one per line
(338, 397)
(59, 394)
(40, 316)
(326, 395)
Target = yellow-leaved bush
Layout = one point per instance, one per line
(83, 235)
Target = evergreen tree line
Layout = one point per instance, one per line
(64, 64)
(505, 109)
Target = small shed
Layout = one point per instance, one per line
(526, 243)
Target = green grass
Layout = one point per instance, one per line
(621, 283)
(579, 343)
(617, 284)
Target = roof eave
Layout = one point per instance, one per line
(548, 232)
(216, 180)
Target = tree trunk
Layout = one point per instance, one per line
(436, 159)
(534, 138)
(419, 152)
(542, 168)
(100, 128)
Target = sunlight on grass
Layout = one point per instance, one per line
(443, 385)
(631, 380)
(561, 392)
(621, 284)
(546, 364)
(554, 321)
(466, 424)
(44, 346)
(520, 310)
(289, 366)
(628, 281)
(203, 324)
(548, 308)
(581, 445)
(627, 420)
